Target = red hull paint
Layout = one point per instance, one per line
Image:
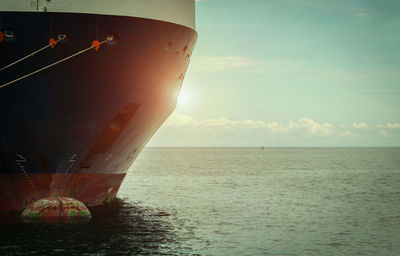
(17, 191)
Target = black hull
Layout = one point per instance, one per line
(90, 115)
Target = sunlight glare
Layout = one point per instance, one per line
(182, 98)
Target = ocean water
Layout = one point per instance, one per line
(236, 201)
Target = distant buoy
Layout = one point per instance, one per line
(56, 209)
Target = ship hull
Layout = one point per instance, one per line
(74, 129)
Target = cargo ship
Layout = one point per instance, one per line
(84, 84)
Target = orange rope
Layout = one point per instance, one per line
(93, 46)
(51, 44)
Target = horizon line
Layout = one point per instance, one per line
(272, 147)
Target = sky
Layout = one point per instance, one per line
(290, 73)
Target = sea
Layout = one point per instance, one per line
(235, 201)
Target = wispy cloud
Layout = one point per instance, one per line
(249, 64)
(346, 133)
(342, 6)
(362, 14)
(292, 67)
(218, 63)
(380, 91)
(305, 69)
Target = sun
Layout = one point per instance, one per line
(183, 98)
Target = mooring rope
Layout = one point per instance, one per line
(51, 44)
(20, 163)
(95, 45)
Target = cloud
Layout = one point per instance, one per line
(390, 130)
(178, 120)
(360, 126)
(305, 125)
(390, 126)
(185, 130)
(276, 127)
(384, 133)
(315, 128)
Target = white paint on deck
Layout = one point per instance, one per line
(176, 11)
